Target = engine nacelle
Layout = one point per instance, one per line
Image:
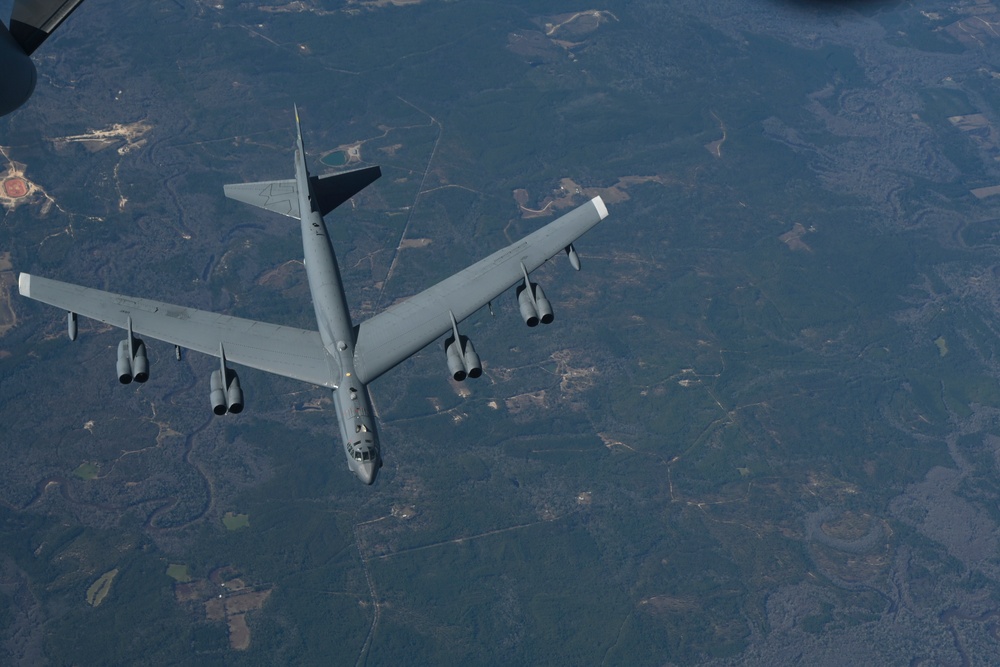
(140, 364)
(528, 312)
(124, 363)
(235, 394)
(456, 365)
(472, 364)
(542, 305)
(218, 394)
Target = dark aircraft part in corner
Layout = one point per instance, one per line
(132, 367)
(18, 79)
(71, 325)
(462, 359)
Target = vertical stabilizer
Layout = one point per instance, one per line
(326, 192)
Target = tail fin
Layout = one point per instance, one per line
(278, 196)
(333, 190)
(328, 192)
(32, 21)
(283, 196)
(298, 131)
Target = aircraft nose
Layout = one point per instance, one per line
(367, 471)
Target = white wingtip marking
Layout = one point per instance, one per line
(24, 285)
(602, 210)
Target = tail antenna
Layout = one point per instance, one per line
(298, 129)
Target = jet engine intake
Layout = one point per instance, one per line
(140, 364)
(542, 305)
(527, 306)
(132, 367)
(218, 394)
(463, 361)
(235, 394)
(226, 396)
(124, 363)
(456, 364)
(472, 364)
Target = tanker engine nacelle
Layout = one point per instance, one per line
(534, 306)
(132, 361)
(462, 358)
(226, 394)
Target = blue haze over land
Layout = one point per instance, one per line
(762, 430)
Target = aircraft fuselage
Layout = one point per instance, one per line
(351, 401)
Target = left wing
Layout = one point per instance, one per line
(278, 196)
(292, 353)
(401, 330)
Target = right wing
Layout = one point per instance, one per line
(32, 21)
(292, 353)
(401, 330)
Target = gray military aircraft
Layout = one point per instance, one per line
(31, 22)
(339, 356)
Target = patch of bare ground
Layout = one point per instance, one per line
(669, 604)
(97, 140)
(404, 511)
(522, 402)
(574, 380)
(793, 238)
(378, 4)
(414, 243)
(18, 189)
(576, 24)
(570, 194)
(281, 276)
(611, 442)
(239, 632)
(224, 597)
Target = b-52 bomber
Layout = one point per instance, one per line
(338, 355)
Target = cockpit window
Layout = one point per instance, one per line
(365, 455)
(357, 456)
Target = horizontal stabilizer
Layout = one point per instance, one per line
(32, 21)
(278, 196)
(333, 190)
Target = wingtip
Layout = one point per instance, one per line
(602, 210)
(24, 285)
